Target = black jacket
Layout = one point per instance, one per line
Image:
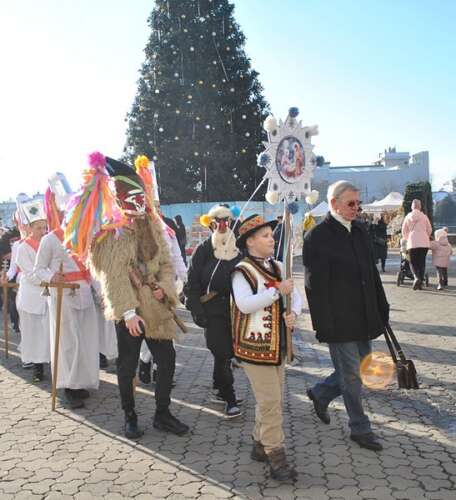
(200, 273)
(345, 294)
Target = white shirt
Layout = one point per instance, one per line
(346, 223)
(249, 302)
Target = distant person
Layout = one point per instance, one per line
(441, 254)
(417, 229)
(169, 222)
(279, 239)
(381, 241)
(181, 235)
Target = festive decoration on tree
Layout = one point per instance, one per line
(199, 105)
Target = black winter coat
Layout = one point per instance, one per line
(214, 315)
(344, 291)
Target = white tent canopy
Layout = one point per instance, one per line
(320, 210)
(392, 201)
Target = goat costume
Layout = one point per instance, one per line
(130, 259)
(208, 292)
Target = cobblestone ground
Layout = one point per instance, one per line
(81, 454)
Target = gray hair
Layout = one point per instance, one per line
(337, 188)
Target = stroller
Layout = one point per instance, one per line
(405, 272)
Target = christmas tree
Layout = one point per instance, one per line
(199, 109)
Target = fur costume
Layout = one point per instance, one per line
(142, 245)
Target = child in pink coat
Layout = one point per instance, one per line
(441, 253)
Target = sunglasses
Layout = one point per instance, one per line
(219, 219)
(353, 204)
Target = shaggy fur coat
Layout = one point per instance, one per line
(140, 245)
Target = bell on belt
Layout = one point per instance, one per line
(45, 292)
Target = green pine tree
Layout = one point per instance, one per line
(199, 107)
(420, 191)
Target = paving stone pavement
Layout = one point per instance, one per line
(82, 455)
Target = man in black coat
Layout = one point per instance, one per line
(347, 304)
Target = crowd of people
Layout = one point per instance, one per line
(125, 258)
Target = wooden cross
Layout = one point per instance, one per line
(6, 286)
(58, 317)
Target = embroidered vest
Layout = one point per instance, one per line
(256, 336)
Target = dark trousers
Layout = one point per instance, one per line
(14, 315)
(346, 381)
(223, 379)
(164, 356)
(442, 275)
(219, 342)
(418, 262)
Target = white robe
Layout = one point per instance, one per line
(106, 328)
(32, 308)
(79, 341)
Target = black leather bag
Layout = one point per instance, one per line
(405, 368)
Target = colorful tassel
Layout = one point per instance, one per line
(93, 211)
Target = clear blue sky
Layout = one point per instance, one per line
(370, 73)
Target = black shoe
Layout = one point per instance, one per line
(368, 440)
(132, 431)
(73, 400)
(82, 393)
(417, 284)
(232, 410)
(322, 413)
(168, 423)
(144, 372)
(38, 373)
(217, 398)
(103, 361)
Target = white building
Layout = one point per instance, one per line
(391, 172)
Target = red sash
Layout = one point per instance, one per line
(83, 274)
(33, 243)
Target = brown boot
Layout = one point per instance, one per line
(258, 454)
(279, 467)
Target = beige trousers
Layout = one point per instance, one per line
(267, 385)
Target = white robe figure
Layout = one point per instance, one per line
(79, 337)
(32, 308)
(106, 328)
(181, 273)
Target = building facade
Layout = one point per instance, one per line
(391, 172)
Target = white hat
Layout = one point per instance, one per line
(33, 210)
(61, 188)
(21, 198)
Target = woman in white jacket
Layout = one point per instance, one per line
(31, 305)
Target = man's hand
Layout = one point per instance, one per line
(58, 278)
(158, 294)
(290, 319)
(136, 326)
(286, 287)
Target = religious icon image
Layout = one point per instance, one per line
(290, 159)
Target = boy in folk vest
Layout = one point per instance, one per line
(259, 324)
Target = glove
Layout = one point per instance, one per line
(200, 320)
